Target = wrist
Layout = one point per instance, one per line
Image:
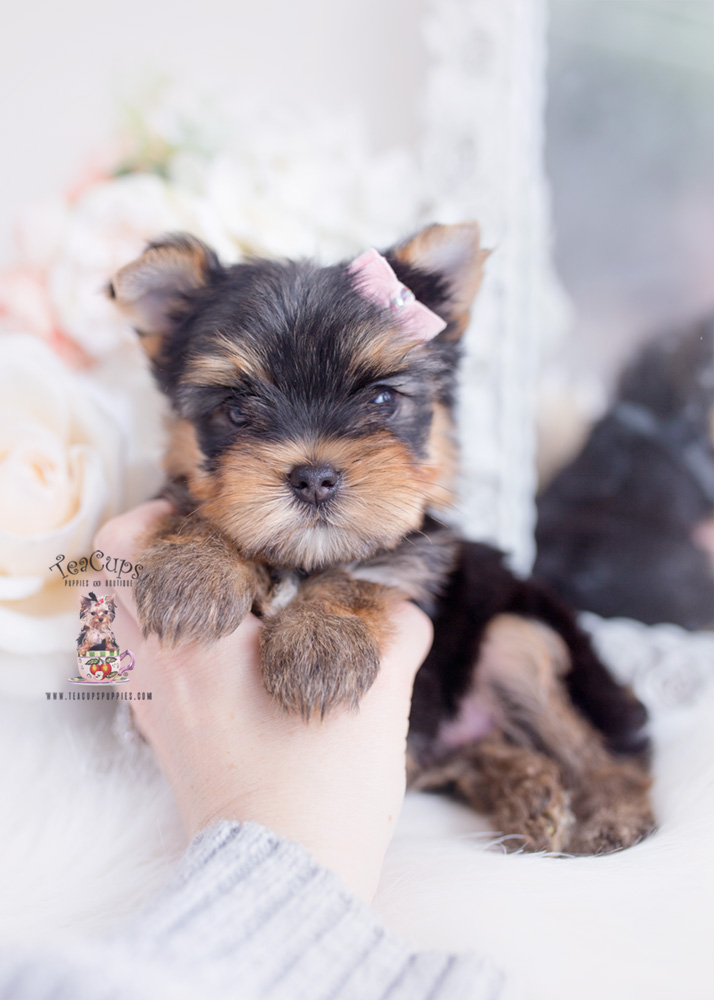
(345, 838)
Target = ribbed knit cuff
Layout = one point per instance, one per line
(253, 908)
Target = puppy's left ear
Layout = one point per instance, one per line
(155, 289)
(443, 266)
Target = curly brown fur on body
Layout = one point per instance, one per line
(311, 459)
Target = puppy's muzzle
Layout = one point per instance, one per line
(314, 484)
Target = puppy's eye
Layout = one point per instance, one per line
(234, 414)
(384, 400)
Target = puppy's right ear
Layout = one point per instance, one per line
(154, 289)
(443, 266)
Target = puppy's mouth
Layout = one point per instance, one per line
(317, 541)
(324, 515)
(316, 524)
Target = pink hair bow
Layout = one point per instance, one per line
(375, 279)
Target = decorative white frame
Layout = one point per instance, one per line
(484, 103)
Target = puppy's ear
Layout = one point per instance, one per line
(443, 266)
(85, 604)
(155, 288)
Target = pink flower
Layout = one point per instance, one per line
(25, 307)
(24, 303)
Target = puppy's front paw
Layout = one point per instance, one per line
(313, 662)
(183, 595)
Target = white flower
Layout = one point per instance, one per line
(38, 231)
(108, 226)
(294, 186)
(61, 476)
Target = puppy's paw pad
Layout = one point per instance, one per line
(313, 663)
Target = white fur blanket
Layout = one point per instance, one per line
(89, 831)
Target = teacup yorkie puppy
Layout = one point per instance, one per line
(96, 615)
(310, 460)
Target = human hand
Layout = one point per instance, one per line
(230, 752)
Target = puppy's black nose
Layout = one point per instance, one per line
(314, 483)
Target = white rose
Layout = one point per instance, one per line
(108, 226)
(301, 188)
(61, 475)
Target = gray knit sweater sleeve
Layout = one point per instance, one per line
(250, 916)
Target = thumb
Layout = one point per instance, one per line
(123, 537)
(407, 648)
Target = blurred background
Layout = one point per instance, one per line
(66, 70)
(630, 159)
(630, 156)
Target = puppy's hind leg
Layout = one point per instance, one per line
(520, 788)
(523, 665)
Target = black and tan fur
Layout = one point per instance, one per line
(311, 459)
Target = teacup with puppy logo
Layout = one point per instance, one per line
(102, 666)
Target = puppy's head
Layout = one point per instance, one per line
(308, 426)
(97, 612)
